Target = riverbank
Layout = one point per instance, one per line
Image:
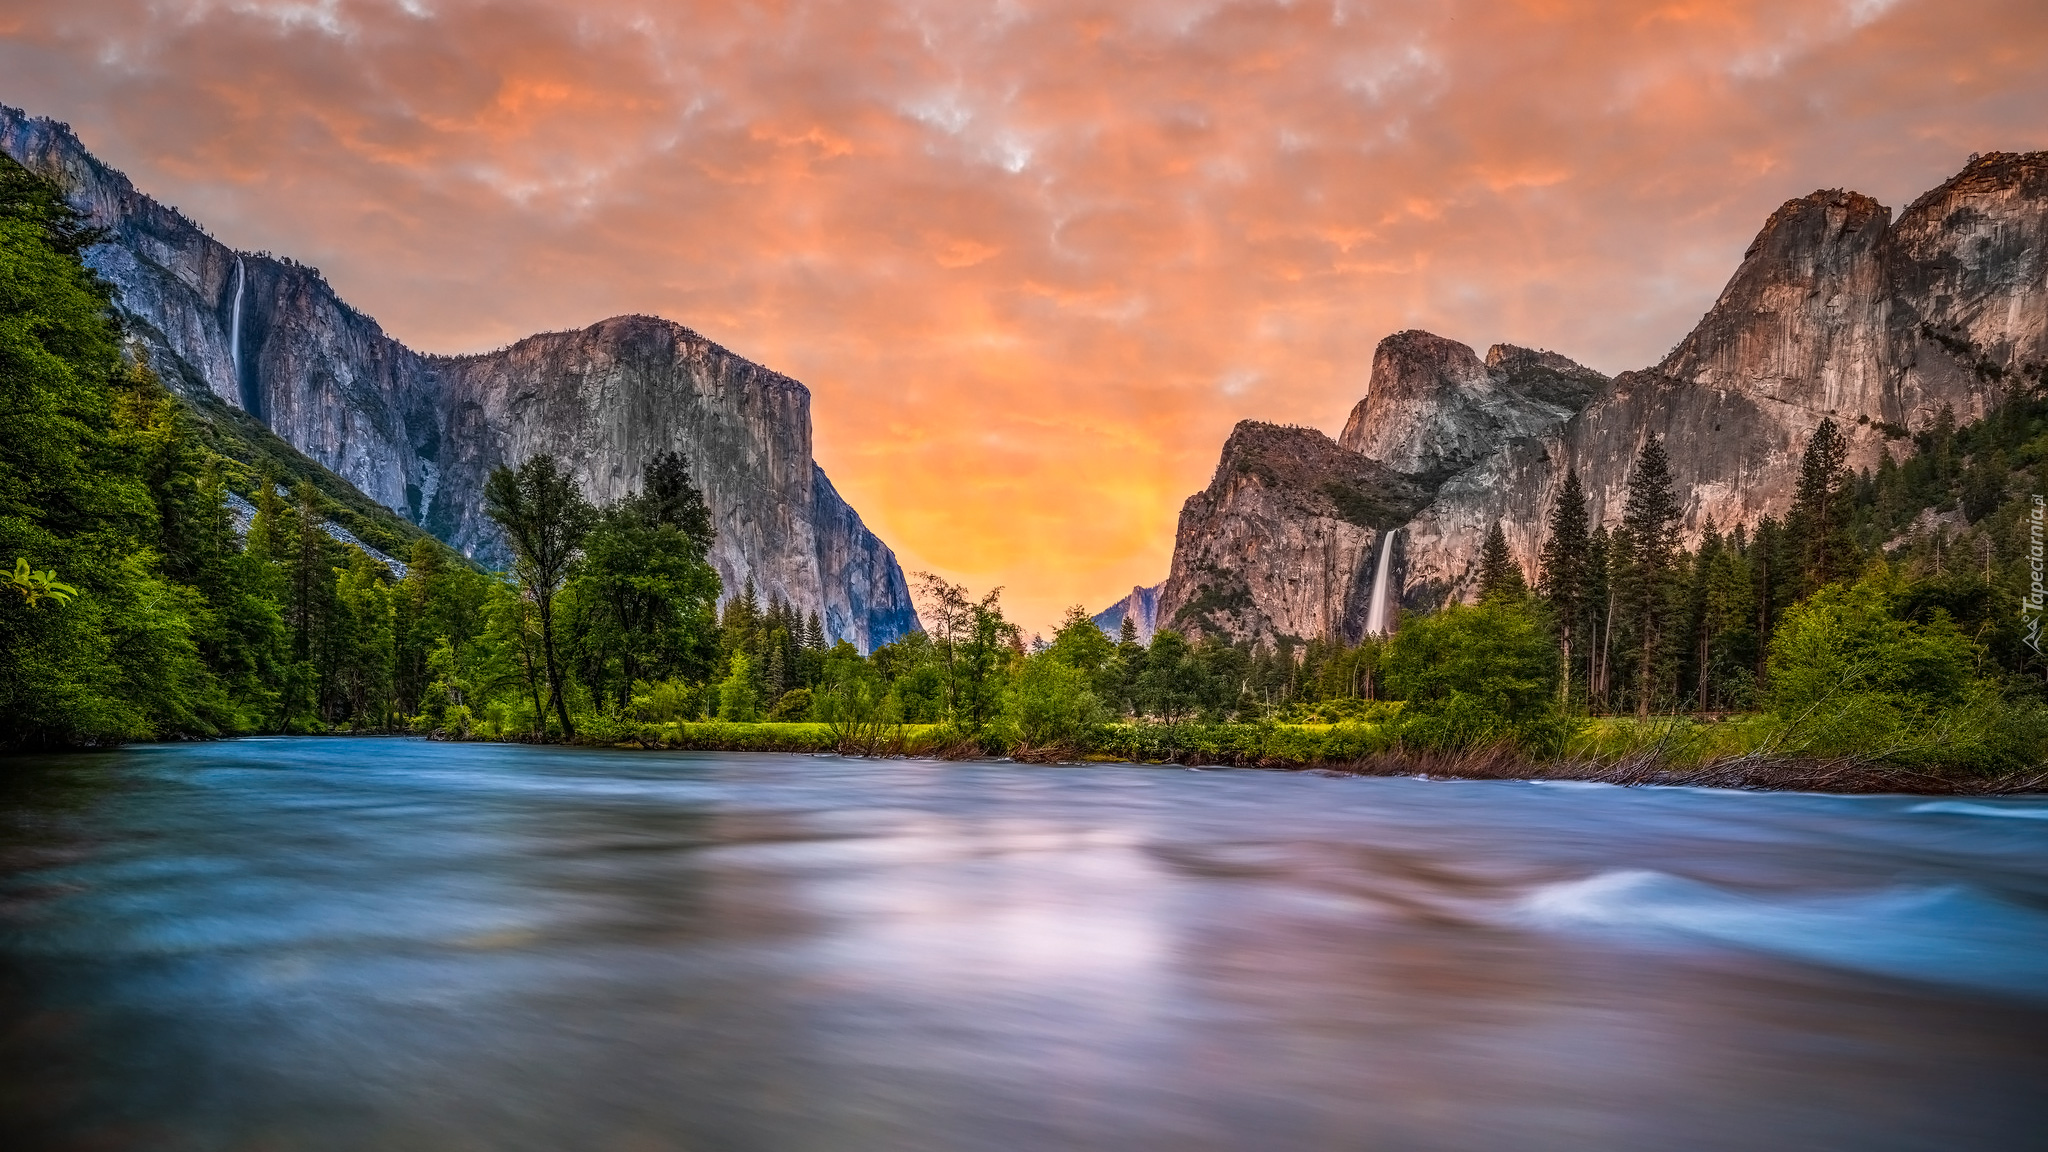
(1670, 752)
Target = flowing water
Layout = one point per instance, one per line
(389, 944)
(1376, 604)
(235, 331)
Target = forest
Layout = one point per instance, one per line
(1880, 621)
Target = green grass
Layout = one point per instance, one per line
(1154, 743)
(1743, 752)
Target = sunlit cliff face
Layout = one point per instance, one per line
(1033, 258)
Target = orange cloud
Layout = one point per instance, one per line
(1033, 257)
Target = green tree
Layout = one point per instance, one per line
(361, 641)
(1650, 520)
(739, 698)
(1078, 643)
(646, 588)
(947, 612)
(1473, 675)
(1174, 684)
(983, 659)
(1052, 704)
(1851, 675)
(1597, 620)
(1724, 591)
(1888, 513)
(121, 659)
(1120, 678)
(1821, 510)
(545, 517)
(1500, 578)
(1565, 577)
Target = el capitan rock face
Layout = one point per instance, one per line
(1835, 312)
(420, 433)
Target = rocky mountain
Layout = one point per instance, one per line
(1141, 606)
(419, 433)
(1835, 311)
(1287, 539)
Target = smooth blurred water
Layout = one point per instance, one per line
(385, 944)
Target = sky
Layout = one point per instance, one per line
(1033, 258)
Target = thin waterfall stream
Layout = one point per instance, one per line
(235, 325)
(1376, 607)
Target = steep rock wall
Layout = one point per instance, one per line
(419, 433)
(1835, 312)
(1285, 539)
(1432, 408)
(1141, 607)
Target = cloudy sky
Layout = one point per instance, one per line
(1033, 257)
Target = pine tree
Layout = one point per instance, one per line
(1122, 673)
(1699, 655)
(1596, 617)
(412, 625)
(309, 587)
(1563, 575)
(1650, 518)
(1821, 510)
(813, 651)
(1890, 496)
(1725, 615)
(1500, 578)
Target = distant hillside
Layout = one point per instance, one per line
(1142, 608)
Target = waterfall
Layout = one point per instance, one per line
(235, 326)
(1376, 608)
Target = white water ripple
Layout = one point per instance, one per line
(1945, 935)
(1968, 808)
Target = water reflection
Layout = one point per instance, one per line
(388, 944)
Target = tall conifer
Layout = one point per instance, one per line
(1596, 615)
(1500, 578)
(1650, 517)
(1821, 507)
(1564, 563)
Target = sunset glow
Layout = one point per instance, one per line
(1032, 258)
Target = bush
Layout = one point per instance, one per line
(666, 701)
(860, 714)
(794, 705)
(1052, 704)
(1850, 677)
(1477, 675)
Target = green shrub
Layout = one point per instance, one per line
(1052, 704)
(1477, 675)
(794, 705)
(1850, 677)
(666, 701)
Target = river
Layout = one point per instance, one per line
(315, 944)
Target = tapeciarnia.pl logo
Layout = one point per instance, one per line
(2037, 595)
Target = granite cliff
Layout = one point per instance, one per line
(1141, 607)
(419, 433)
(1836, 311)
(1286, 540)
